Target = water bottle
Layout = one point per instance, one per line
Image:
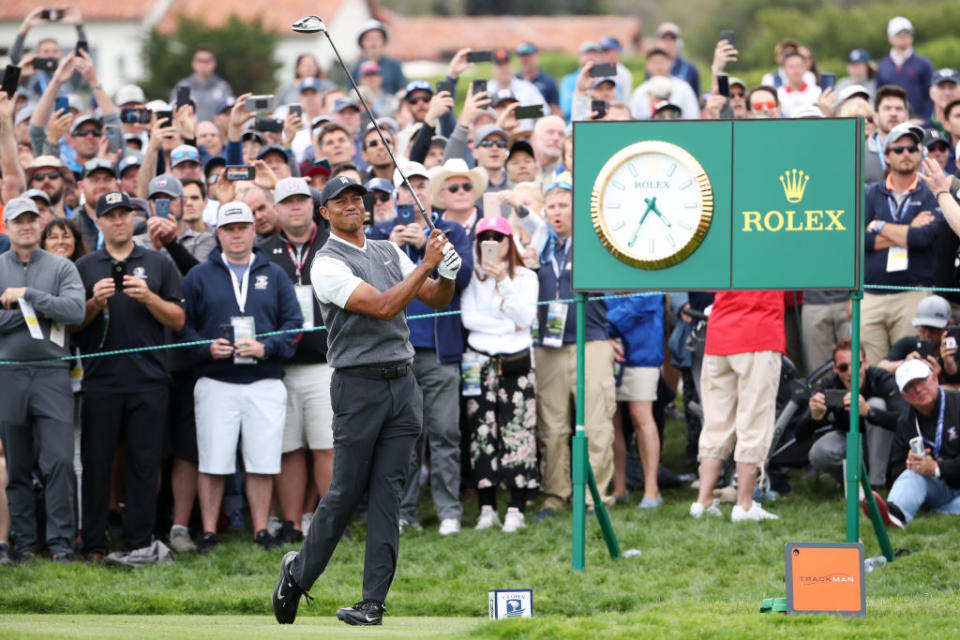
(876, 562)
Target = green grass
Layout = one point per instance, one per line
(695, 578)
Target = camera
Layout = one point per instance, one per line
(259, 103)
(51, 15)
(833, 398)
(45, 64)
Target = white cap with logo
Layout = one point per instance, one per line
(231, 212)
(290, 187)
(911, 370)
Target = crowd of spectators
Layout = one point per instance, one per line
(132, 224)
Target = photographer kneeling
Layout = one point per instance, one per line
(880, 407)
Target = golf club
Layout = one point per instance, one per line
(313, 24)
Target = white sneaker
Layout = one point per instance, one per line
(448, 526)
(488, 518)
(305, 521)
(274, 524)
(513, 520)
(180, 540)
(756, 513)
(697, 510)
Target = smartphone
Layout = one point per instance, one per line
(489, 251)
(603, 70)
(600, 106)
(259, 103)
(114, 138)
(82, 46)
(165, 115)
(61, 104)
(268, 124)
(479, 86)
(135, 115)
(723, 85)
(295, 109)
(834, 398)
(405, 213)
(183, 96)
(952, 339)
(118, 269)
(443, 85)
(161, 207)
(226, 332)
(51, 15)
(238, 172)
(483, 55)
(528, 111)
(728, 35)
(11, 78)
(828, 80)
(916, 446)
(924, 347)
(45, 64)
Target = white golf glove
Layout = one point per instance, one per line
(450, 264)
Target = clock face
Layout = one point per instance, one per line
(652, 204)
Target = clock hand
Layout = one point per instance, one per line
(660, 215)
(636, 231)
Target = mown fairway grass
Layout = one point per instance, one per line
(695, 578)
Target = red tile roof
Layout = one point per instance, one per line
(16, 10)
(277, 15)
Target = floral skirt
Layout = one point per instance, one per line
(502, 423)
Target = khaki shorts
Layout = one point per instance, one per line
(638, 384)
(309, 422)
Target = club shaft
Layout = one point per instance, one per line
(427, 217)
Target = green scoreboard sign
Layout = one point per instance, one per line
(717, 204)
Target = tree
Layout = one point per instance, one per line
(244, 53)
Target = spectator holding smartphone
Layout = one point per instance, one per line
(207, 89)
(499, 307)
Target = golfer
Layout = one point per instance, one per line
(363, 287)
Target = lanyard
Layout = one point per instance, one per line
(896, 212)
(883, 162)
(559, 266)
(300, 258)
(240, 287)
(939, 441)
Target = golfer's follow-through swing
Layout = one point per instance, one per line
(363, 287)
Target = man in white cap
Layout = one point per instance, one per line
(234, 296)
(373, 39)
(904, 68)
(925, 460)
(903, 220)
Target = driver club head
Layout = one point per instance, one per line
(309, 24)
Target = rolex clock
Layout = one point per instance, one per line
(652, 204)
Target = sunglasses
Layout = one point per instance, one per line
(566, 186)
(467, 187)
(769, 104)
(737, 94)
(491, 235)
(500, 144)
(376, 143)
(87, 132)
(50, 175)
(382, 197)
(901, 148)
(416, 99)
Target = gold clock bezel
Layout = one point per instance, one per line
(625, 254)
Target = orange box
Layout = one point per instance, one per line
(825, 578)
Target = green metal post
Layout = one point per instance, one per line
(854, 453)
(580, 461)
(874, 512)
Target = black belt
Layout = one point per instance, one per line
(386, 371)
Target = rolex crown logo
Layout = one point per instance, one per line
(794, 183)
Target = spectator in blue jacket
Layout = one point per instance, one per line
(638, 323)
(903, 221)
(668, 39)
(906, 69)
(236, 295)
(373, 39)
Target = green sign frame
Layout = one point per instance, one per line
(785, 194)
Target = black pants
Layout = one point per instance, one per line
(36, 424)
(139, 420)
(375, 424)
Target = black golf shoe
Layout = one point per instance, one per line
(366, 613)
(286, 595)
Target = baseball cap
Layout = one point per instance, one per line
(852, 90)
(418, 85)
(368, 68)
(526, 49)
(410, 169)
(226, 103)
(859, 55)
(503, 95)
(319, 167)
(41, 162)
(16, 207)
(933, 311)
(23, 114)
(668, 28)
(500, 56)
(934, 136)
(311, 84)
(379, 184)
(338, 185)
(98, 164)
(184, 153)
(290, 187)
(129, 93)
(911, 370)
(272, 148)
(129, 159)
(439, 141)
(945, 75)
(213, 163)
(589, 45)
(903, 129)
(494, 223)
(486, 131)
(898, 24)
(373, 25)
(665, 105)
(599, 81)
(734, 81)
(252, 134)
(82, 120)
(342, 104)
(231, 212)
(520, 146)
(113, 200)
(610, 44)
(36, 193)
(167, 185)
